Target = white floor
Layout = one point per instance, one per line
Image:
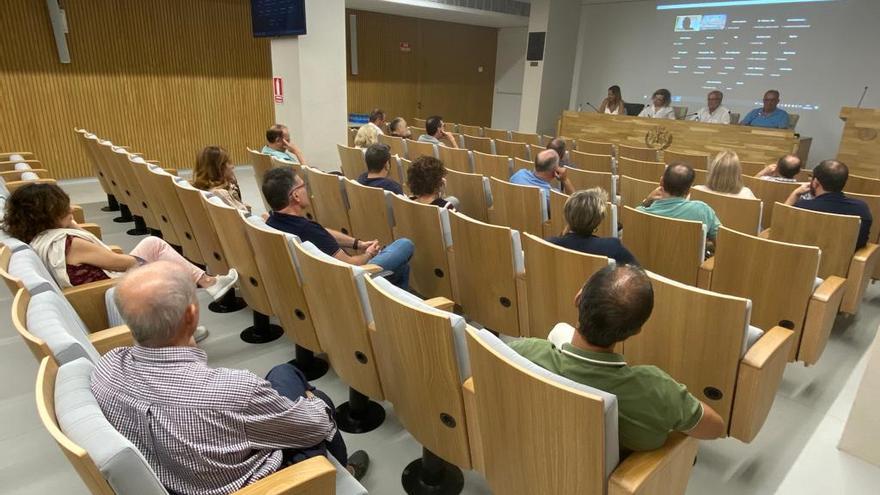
(795, 453)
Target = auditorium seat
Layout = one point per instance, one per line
(151, 200)
(595, 147)
(17, 155)
(525, 137)
(680, 112)
(586, 179)
(202, 228)
(667, 246)
(108, 463)
(111, 155)
(20, 165)
(369, 211)
(862, 185)
(703, 339)
(473, 193)
(633, 191)
(459, 159)
(700, 162)
(98, 155)
(642, 170)
(752, 168)
(734, 118)
(352, 161)
(470, 130)
(417, 131)
(328, 199)
(482, 144)
(81, 138)
(521, 164)
(419, 122)
(522, 208)
(781, 281)
(352, 133)
(769, 192)
(608, 227)
(873, 203)
(636, 153)
(415, 149)
(591, 162)
(164, 190)
(740, 214)
(423, 361)
(490, 165)
(143, 207)
(512, 149)
(450, 127)
(836, 236)
(397, 144)
(537, 432)
(427, 226)
(496, 134)
(534, 149)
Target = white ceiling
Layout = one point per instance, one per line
(439, 12)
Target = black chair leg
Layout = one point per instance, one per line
(112, 204)
(124, 214)
(140, 227)
(431, 475)
(359, 414)
(229, 303)
(262, 331)
(311, 366)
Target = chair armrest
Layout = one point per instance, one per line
(704, 275)
(111, 338)
(861, 268)
(475, 441)
(78, 215)
(313, 475)
(172, 171)
(764, 234)
(370, 268)
(88, 301)
(440, 303)
(93, 228)
(758, 379)
(822, 309)
(662, 471)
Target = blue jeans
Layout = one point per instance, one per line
(395, 257)
(289, 381)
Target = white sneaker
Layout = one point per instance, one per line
(223, 284)
(201, 333)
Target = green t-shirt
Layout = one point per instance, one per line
(650, 403)
(685, 209)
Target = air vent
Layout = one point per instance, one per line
(501, 6)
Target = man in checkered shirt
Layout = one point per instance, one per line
(207, 431)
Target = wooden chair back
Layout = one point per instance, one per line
(417, 131)
(595, 147)
(230, 227)
(111, 158)
(352, 134)
(740, 214)
(699, 162)
(415, 149)
(329, 202)
(419, 122)
(697, 337)
(667, 246)
(153, 202)
(201, 227)
(87, 150)
(873, 203)
(554, 276)
(450, 127)
(420, 345)
(700, 177)
(633, 191)
(352, 161)
(458, 159)
(835, 235)
(341, 328)
(637, 153)
(525, 137)
(472, 191)
(637, 169)
(482, 144)
(369, 212)
(397, 144)
(424, 224)
(512, 149)
(520, 164)
(163, 185)
(486, 274)
(141, 204)
(496, 134)
(498, 166)
(262, 163)
(591, 162)
(770, 193)
(522, 208)
(534, 149)
(862, 185)
(470, 130)
(751, 168)
(586, 179)
(91, 147)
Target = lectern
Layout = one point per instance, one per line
(860, 142)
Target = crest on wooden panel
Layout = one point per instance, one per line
(658, 138)
(866, 134)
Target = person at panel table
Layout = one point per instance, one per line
(714, 112)
(660, 107)
(279, 145)
(768, 115)
(613, 104)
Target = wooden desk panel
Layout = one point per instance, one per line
(860, 141)
(751, 143)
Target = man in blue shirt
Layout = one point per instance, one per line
(287, 196)
(279, 145)
(826, 185)
(546, 169)
(768, 115)
(378, 156)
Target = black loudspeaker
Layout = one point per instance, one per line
(536, 46)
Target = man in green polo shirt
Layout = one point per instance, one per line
(671, 199)
(612, 306)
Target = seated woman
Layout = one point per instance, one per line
(613, 103)
(725, 176)
(426, 179)
(659, 107)
(366, 135)
(584, 211)
(214, 173)
(40, 215)
(398, 128)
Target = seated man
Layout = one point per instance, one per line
(671, 199)
(547, 168)
(784, 170)
(558, 145)
(714, 112)
(369, 133)
(204, 429)
(399, 128)
(826, 186)
(279, 145)
(436, 134)
(768, 115)
(378, 157)
(287, 196)
(612, 306)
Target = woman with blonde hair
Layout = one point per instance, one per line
(725, 176)
(366, 136)
(215, 173)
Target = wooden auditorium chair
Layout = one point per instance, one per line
(473, 192)
(608, 227)
(633, 191)
(162, 186)
(498, 166)
(261, 163)
(470, 130)
(81, 138)
(751, 169)
(740, 214)
(667, 246)
(484, 145)
(458, 159)
(862, 185)
(637, 153)
(595, 147)
(496, 134)
(151, 200)
(369, 211)
(522, 208)
(696, 161)
(521, 164)
(591, 162)
(415, 149)
(770, 193)
(92, 144)
(637, 169)
(428, 227)
(141, 206)
(525, 137)
(110, 155)
(328, 200)
(397, 144)
(417, 131)
(585, 179)
(352, 161)
(512, 149)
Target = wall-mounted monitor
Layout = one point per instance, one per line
(278, 17)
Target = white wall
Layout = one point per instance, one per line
(510, 63)
(630, 44)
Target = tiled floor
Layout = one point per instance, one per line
(795, 453)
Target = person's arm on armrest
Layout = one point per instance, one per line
(793, 197)
(768, 170)
(82, 251)
(360, 259)
(709, 427)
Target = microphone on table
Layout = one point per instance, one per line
(862, 98)
(695, 114)
(591, 106)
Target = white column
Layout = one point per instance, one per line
(861, 436)
(313, 68)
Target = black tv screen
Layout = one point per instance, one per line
(278, 17)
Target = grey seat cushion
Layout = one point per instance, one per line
(51, 318)
(345, 482)
(81, 419)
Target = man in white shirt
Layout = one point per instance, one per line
(714, 112)
(660, 106)
(377, 120)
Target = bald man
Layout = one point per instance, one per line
(547, 170)
(202, 429)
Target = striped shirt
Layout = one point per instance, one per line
(206, 431)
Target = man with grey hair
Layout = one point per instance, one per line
(547, 169)
(204, 430)
(714, 112)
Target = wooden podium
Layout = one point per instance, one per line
(860, 142)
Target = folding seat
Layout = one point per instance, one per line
(667, 246)
(458, 159)
(261, 163)
(534, 149)
(164, 189)
(415, 149)
(700, 177)
(111, 154)
(99, 155)
(108, 463)
(637, 169)
(636, 153)
(703, 339)
(20, 165)
(450, 127)
(496, 134)
(522, 208)
(397, 144)
(564, 443)
(525, 137)
(740, 214)
(770, 193)
(82, 138)
(781, 281)
(417, 131)
(862, 185)
(751, 168)
(419, 122)
(352, 133)
(141, 205)
(428, 227)
(570, 143)
(369, 211)
(470, 130)
(608, 227)
(836, 236)
(633, 191)
(151, 201)
(352, 160)
(873, 203)
(595, 147)
(484, 145)
(520, 164)
(585, 179)
(473, 193)
(512, 149)
(328, 200)
(591, 162)
(696, 161)
(498, 166)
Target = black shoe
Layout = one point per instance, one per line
(358, 463)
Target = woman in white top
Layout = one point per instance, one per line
(725, 176)
(613, 103)
(659, 107)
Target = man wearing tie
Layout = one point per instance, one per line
(714, 112)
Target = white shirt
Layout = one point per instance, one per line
(378, 129)
(610, 112)
(745, 192)
(653, 112)
(721, 115)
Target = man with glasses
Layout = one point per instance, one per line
(714, 112)
(768, 115)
